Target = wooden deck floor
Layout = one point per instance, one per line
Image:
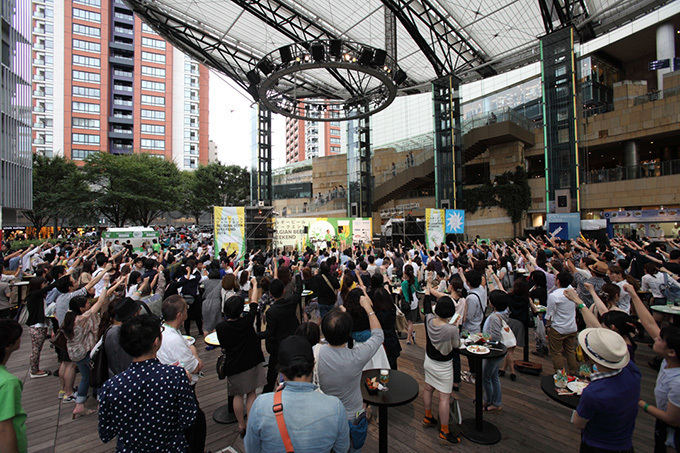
(530, 420)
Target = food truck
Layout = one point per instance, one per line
(136, 235)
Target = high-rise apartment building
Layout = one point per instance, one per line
(15, 109)
(103, 81)
(308, 139)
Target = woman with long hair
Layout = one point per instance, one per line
(212, 303)
(80, 327)
(409, 286)
(387, 315)
(36, 322)
(244, 284)
(134, 279)
(243, 352)
(86, 272)
(346, 285)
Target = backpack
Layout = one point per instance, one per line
(508, 280)
(99, 364)
(671, 292)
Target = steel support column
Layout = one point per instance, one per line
(560, 132)
(359, 177)
(261, 174)
(448, 152)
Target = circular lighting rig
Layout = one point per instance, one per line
(350, 80)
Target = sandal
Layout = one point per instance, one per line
(493, 409)
(84, 413)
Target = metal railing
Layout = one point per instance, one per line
(656, 95)
(644, 170)
(404, 163)
(497, 116)
(334, 204)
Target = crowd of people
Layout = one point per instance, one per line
(581, 298)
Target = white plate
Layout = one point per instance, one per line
(577, 387)
(212, 339)
(478, 349)
(189, 340)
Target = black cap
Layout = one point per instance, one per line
(295, 349)
(126, 308)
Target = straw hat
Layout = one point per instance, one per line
(599, 268)
(604, 347)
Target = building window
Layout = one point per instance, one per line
(153, 57)
(86, 61)
(153, 144)
(90, 16)
(153, 100)
(90, 77)
(85, 107)
(335, 149)
(94, 3)
(157, 115)
(86, 139)
(153, 72)
(81, 154)
(87, 46)
(335, 140)
(147, 29)
(335, 123)
(153, 86)
(86, 92)
(79, 29)
(153, 129)
(155, 43)
(86, 123)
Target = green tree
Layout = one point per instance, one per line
(133, 187)
(214, 184)
(59, 191)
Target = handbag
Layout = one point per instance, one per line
(23, 316)
(400, 320)
(99, 365)
(507, 337)
(59, 340)
(455, 414)
(221, 366)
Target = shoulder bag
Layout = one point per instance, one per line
(59, 340)
(507, 336)
(221, 366)
(99, 365)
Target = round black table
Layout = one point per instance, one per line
(548, 387)
(477, 429)
(402, 389)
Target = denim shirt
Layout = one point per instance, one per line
(315, 422)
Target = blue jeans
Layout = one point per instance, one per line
(84, 368)
(491, 382)
(324, 309)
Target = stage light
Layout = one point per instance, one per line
(253, 77)
(318, 52)
(335, 47)
(399, 77)
(286, 55)
(347, 57)
(379, 57)
(307, 58)
(266, 66)
(366, 56)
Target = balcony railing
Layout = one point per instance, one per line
(645, 170)
(497, 116)
(402, 164)
(656, 95)
(122, 88)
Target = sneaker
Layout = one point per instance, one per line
(448, 438)
(430, 422)
(69, 398)
(61, 395)
(39, 374)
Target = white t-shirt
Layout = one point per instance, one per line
(175, 350)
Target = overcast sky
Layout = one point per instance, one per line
(230, 124)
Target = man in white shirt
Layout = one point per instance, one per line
(561, 325)
(175, 350)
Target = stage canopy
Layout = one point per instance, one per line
(427, 38)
